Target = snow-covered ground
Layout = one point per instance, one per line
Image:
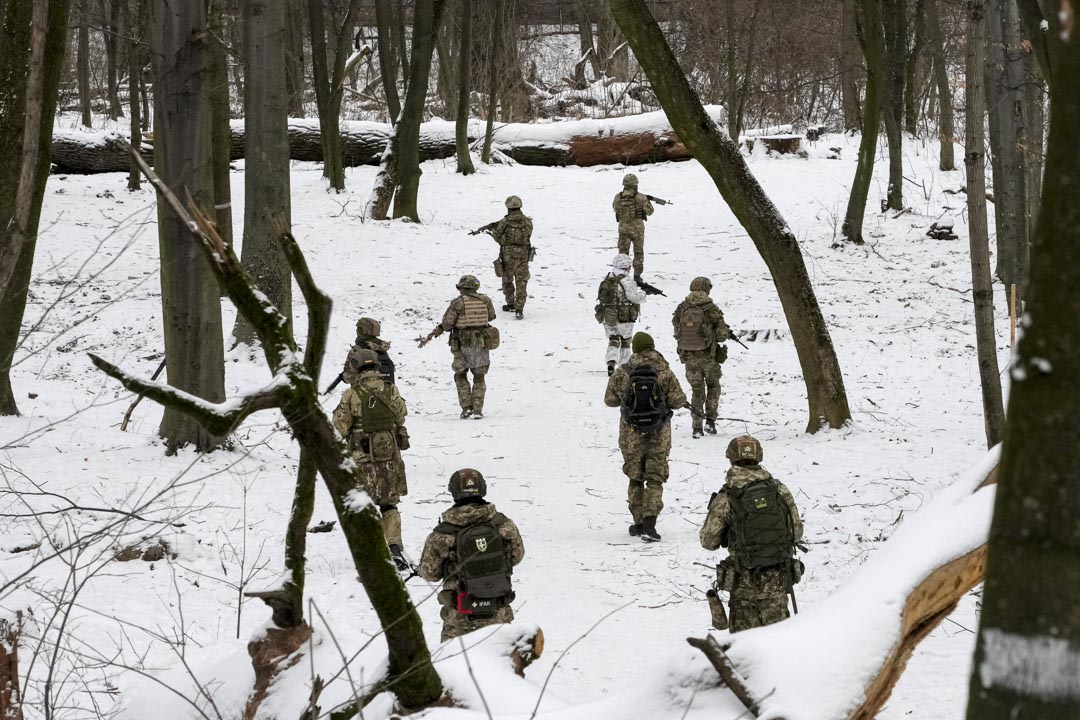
(900, 317)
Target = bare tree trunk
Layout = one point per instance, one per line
(911, 70)
(1035, 120)
(849, 66)
(31, 58)
(876, 78)
(267, 199)
(83, 64)
(893, 109)
(426, 17)
(493, 81)
(464, 83)
(981, 281)
(946, 127)
(219, 117)
(134, 11)
(388, 59)
(720, 157)
(110, 14)
(586, 42)
(11, 701)
(294, 57)
(1029, 631)
(183, 148)
(330, 86)
(612, 51)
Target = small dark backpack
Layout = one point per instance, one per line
(386, 365)
(643, 406)
(761, 521)
(483, 567)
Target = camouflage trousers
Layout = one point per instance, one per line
(470, 395)
(633, 234)
(385, 483)
(758, 598)
(703, 374)
(515, 282)
(455, 624)
(391, 524)
(645, 464)
(619, 336)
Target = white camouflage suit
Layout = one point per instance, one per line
(619, 334)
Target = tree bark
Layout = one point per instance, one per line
(850, 63)
(493, 81)
(946, 126)
(294, 57)
(911, 70)
(720, 157)
(219, 117)
(876, 78)
(266, 167)
(426, 17)
(110, 14)
(83, 65)
(31, 59)
(183, 148)
(464, 85)
(388, 59)
(981, 281)
(895, 51)
(1029, 631)
(330, 85)
(134, 10)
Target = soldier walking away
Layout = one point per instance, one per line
(371, 418)
(367, 338)
(754, 516)
(468, 320)
(700, 331)
(514, 235)
(647, 392)
(473, 551)
(618, 304)
(632, 209)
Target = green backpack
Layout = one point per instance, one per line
(483, 566)
(761, 525)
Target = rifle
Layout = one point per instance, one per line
(731, 335)
(658, 201)
(337, 381)
(647, 288)
(484, 228)
(422, 341)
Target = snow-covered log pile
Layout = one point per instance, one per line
(630, 140)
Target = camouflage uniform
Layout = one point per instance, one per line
(702, 370)
(378, 454)
(618, 332)
(436, 563)
(514, 235)
(758, 597)
(631, 208)
(376, 345)
(645, 457)
(465, 319)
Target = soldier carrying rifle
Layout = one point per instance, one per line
(514, 235)
(632, 209)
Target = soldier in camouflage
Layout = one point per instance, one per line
(438, 562)
(700, 331)
(514, 235)
(758, 596)
(367, 338)
(468, 320)
(645, 456)
(618, 304)
(631, 210)
(371, 418)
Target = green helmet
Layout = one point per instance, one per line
(368, 327)
(364, 359)
(467, 483)
(744, 450)
(468, 282)
(629, 180)
(703, 284)
(513, 203)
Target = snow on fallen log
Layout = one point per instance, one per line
(841, 658)
(630, 140)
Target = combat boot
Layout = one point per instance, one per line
(635, 530)
(508, 307)
(710, 426)
(466, 413)
(477, 415)
(400, 561)
(648, 530)
(520, 314)
(698, 433)
(610, 368)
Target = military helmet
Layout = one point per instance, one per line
(369, 327)
(468, 282)
(744, 450)
(467, 483)
(364, 358)
(629, 180)
(703, 284)
(513, 203)
(621, 262)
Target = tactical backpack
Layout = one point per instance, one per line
(695, 331)
(386, 366)
(483, 566)
(628, 208)
(612, 305)
(517, 232)
(378, 436)
(761, 525)
(643, 407)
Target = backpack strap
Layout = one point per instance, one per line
(448, 528)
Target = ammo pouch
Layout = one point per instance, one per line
(498, 267)
(720, 354)
(491, 337)
(382, 445)
(403, 438)
(725, 575)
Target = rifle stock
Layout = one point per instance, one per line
(337, 381)
(731, 335)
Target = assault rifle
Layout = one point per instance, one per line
(422, 341)
(731, 335)
(647, 288)
(337, 381)
(484, 228)
(658, 201)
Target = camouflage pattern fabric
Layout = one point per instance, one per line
(514, 235)
(702, 371)
(632, 230)
(470, 395)
(758, 597)
(363, 342)
(436, 564)
(645, 457)
(619, 336)
(468, 351)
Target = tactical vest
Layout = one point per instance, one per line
(375, 436)
(695, 331)
(628, 208)
(474, 313)
(762, 535)
(517, 231)
(612, 305)
(482, 566)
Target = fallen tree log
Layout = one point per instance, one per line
(841, 659)
(631, 140)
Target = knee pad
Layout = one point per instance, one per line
(624, 342)
(614, 341)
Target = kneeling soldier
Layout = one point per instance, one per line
(473, 551)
